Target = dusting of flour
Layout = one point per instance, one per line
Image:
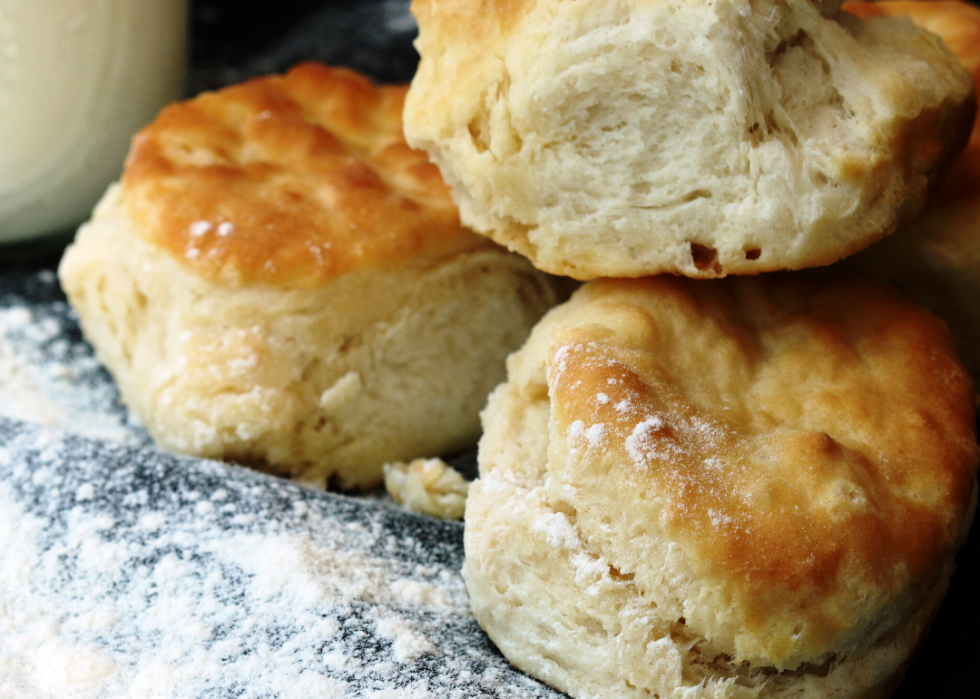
(129, 573)
(48, 375)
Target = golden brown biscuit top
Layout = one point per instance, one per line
(291, 179)
(958, 24)
(812, 446)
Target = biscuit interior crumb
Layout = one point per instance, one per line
(428, 486)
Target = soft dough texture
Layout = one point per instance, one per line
(625, 138)
(280, 281)
(717, 489)
(936, 259)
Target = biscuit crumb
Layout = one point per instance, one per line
(427, 486)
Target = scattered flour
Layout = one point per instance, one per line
(645, 445)
(199, 228)
(115, 581)
(596, 434)
(48, 375)
(406, 643)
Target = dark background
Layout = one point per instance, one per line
(233, 40)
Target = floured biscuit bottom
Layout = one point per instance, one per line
(322, 383)
(750, 488)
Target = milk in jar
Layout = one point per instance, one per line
(77, 79)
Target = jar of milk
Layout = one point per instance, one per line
(77, 79)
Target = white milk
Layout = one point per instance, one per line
(77, 79)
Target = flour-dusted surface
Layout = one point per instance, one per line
(48, 374)
(127, 572)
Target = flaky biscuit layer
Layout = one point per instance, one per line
(633, 137)
(322, 384)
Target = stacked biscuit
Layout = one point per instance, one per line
(744, 487)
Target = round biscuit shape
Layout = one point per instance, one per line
(749, 487)
(280, 281)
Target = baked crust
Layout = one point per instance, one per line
(767, 471)
(292, 179)
(624, 139)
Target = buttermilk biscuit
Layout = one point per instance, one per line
(280, 281)
(936, 259)
(744, 488)
(624, 138)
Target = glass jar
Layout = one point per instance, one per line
(77, 79)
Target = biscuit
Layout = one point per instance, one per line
(427, 486)
(936, 259)
(634, 137)
(750, 487)
(280, 281)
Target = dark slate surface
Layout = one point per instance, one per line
(203, 539)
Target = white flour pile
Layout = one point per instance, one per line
(48, 375)
(130, 573)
